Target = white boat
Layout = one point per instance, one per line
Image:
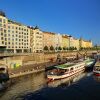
(96, 69)
(67, 81)
(66, 70)
(89, 62)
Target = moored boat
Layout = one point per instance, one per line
(4, 76)
(96, 69)
(89, 63)
(66, 70)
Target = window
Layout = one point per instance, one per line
(0, 20)
(4, 26)
(2, 42)
(4, 20)
(8, 30)
(1, 38)
(1, 34)
(8, 27)
(4, 31)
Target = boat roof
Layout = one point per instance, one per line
(97, 64)
(89, 60)
(64, 66)
(2, 65)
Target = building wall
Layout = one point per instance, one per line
(36, 41)
(85, 44)
(14, 36)
(48, 39)
(74, 43)
(65, 41)
(58, 40)
(3, 30)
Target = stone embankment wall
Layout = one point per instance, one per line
(38, 61)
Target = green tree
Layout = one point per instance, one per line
(64, 48)
(46, 48)
(51, 48)
(59, 48)
(75, 48)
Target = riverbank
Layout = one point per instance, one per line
(38, 62)
(25, 73)
(32, 68)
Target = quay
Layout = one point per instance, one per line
(37, 62)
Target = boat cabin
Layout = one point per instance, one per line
(3, 68)
(97, 66)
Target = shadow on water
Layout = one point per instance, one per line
(81, 86)
(52, 86)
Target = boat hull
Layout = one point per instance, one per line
(97, 73)
(90, 64)
(4, 77)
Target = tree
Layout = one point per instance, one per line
(46, 48)
(75, 48)
(51, 48)
(59, 48)
(67, 48)
(64, 48)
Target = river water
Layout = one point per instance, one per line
(82, 86)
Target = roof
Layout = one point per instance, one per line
(49, 33)
(89, 60)
(64, 66)
(2, 14)
(97, 63)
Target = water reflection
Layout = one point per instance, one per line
(96, 78)
(29, 84)
(24, 85)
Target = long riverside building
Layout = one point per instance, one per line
(14, 37)
(18, 38)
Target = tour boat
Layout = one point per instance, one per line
(4, 76)
(96, 69)
(66, 70)
(89, 63)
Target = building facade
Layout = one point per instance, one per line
(85, 44)
(14, 36)
(58, 40)
(36, 40)
(18, 38)
(65, 41)
(48, 39)
(74, 42)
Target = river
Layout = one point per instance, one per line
(82, 86)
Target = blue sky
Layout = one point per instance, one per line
(79, 18)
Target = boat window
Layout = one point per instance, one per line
(97, 68)
(66, 70)
(1, 69)
(71, 68)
